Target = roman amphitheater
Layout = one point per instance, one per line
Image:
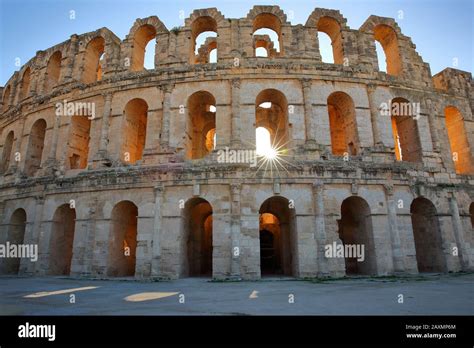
(115, 170)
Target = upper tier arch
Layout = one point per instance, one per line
(274, 10)
(318, 13)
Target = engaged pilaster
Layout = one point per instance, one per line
(102, 157)
(235, 228)
(235, 139)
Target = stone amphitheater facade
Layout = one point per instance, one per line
(128, 179)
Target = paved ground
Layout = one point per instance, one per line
(428, 295)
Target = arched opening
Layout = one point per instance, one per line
(387, 37)
(94, 60)
(149, 62)
(6, 98)
(381, 59)
(62, 240)
(264, 143)
(277, 230)
(405, 131)
(343, 125)
(427, 235)
(78, 142)
(356, 234)
(15, 236)
(267, 34)
(461, 153)
(143, 46)
(122, 240)
(100, 69)
(201, 119)
(211, 140)
(325, 49)
(53, 71)
(25, 83)
(265, 43)
(206, 48)
(7, 151)
(330, 43)
(271, 113)
(213, 55)
(197, 217)
(204, 40)
(270, 245)
(261, 51)
(134, 131)
(34, 152)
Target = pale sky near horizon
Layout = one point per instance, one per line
(442, 31)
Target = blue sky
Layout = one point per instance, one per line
(442, 30)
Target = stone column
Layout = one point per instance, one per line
(67, 69)
(235, 231)
(34, 82)
(165, 126)
(26, 265)
(90, 243)
(62, 159)
(111, 63)
(234, 34)
(42, 77)
(80, 248)
(2, 215)
(15, 166)
(156, 248)
(320, 228)
(374, 113)
(102, 158)
(308, 114)
(145, 236)
(52, 161)
(13, 93)
(4, 227)
(152, 141)
(432, 125)
(100, 247)
(397, 255)
(36, 235)
(235, 126)
(104, 131)
(458, 233)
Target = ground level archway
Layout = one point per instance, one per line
(62, 240)
(198, 236)
(123, 240)
(277, 232)
(356, 234)
(15, 236)
(427, 236)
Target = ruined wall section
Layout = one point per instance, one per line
(413, 70)
(454, 82)
(454, 88)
